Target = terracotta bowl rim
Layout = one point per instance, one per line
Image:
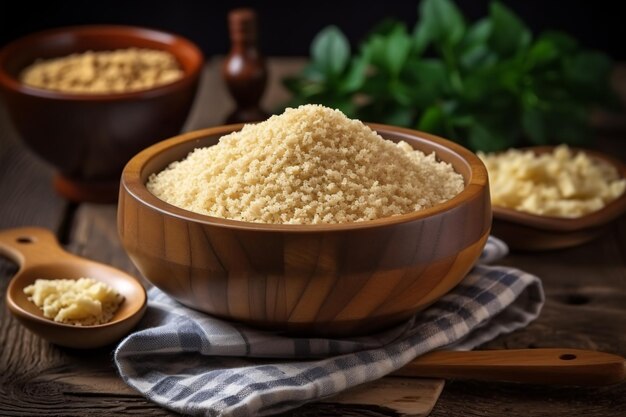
(565, 224)
(138, 32)
(132, 183)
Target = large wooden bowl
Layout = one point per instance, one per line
(343, 279)
(89, 138)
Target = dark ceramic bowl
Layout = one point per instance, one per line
(325, 279)
(531, 232)
(89, 138)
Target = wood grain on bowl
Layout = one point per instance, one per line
(335, 279)
(526, 231)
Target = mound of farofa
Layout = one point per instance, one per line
(104, 72)
(308, 165)
(81, 302)
(561, 183)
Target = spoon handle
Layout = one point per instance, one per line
(31, 246)
(536, 366)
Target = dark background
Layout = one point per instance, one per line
(287, 28)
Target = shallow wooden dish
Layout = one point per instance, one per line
(39, 255)
(344, 279)
(525, 231)
(89, 138)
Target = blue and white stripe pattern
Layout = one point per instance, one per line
(195, 364)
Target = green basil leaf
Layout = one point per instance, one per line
(443, 21)
(345, 104)
(478, 33)
(313, 73)
(480, 84)
(292, 84)
(509, 33)
(385, 27)
(303, 87)
(564, 43)
(483, 138)
(428, 71)
(474, 52)
(478, 56)
(432, 120)
(463, 121)
(588, 67)
(355, 77)
(400, 92)
(422, 36)
(330, 51)
(398, 48)
(426, 81)
(542, 52)
(510, 76)
(398, 116)
(534, 126)
(376, 50)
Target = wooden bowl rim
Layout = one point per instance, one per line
(131, 182)
(165, 38)
(565, 224)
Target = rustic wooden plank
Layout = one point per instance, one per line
(406, 396)
(474, 399)
(94, 236)
(77, 384)
(26, 194)
(26, 198)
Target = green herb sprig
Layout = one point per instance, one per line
(488, 85)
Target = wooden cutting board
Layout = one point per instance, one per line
(413, 397)
(396, 396)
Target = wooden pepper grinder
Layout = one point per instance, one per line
(244, 69)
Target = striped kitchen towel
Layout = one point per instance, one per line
(195, 364)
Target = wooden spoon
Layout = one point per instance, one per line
(39, 255)
(535, 366)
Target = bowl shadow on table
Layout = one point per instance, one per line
(88, 138)
(333, 280)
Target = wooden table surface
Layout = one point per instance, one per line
(585, 308)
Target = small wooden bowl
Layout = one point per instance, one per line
(89, 138)
(531, 232)
(336, 280)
